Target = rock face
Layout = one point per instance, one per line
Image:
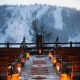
(16, 22)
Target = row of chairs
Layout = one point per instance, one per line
(9, 58)
(70, 59)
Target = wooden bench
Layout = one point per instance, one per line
(70, 55)
(7, 56)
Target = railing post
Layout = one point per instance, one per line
(56, 44)
(71, 44)
(7, 44)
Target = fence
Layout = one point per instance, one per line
(65, 44)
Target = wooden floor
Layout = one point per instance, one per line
(39, 68)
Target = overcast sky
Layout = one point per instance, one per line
(65, 3)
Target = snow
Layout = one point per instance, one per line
(42, 11)
(19, 24)
(75, 39)
(58, 18)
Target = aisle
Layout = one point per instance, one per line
(38, 68)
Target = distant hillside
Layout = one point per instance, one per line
(16, 22)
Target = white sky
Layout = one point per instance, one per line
(65, 3)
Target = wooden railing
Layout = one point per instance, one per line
(70, 44)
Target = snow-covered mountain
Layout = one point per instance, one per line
(16, 22)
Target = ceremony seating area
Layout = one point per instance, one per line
(70, 60)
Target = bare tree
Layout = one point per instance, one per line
(40, 29)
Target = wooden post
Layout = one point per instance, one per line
(70, 44)
(7, 44)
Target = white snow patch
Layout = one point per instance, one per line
(75, 39)
(19, 24)
(58, 18)
(42, 11)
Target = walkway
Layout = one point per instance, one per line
(38, 68)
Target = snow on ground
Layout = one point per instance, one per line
(42, 11)
(58, 18)
(75, 39)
